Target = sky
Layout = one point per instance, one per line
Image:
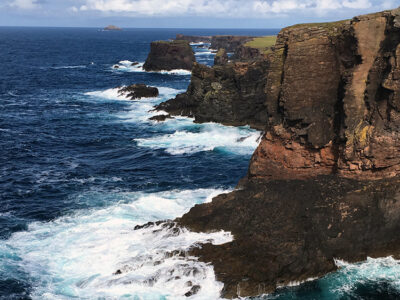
(183, 13)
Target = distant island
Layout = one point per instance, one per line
(112, 27)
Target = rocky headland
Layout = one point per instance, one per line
(231, 94)
(229, 42)
(170, 55)
(324, 182)
(193, 38)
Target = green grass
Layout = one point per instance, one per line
(262, 43)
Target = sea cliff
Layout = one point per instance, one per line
(324, 181)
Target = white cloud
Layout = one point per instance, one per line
(221, 8)
(24, 4)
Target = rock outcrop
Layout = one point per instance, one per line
(169, 55)
(193, 38)
(229, 42)
(112, 28)
(221, 57)
(232, 94)
(324, 181)
(137, 91)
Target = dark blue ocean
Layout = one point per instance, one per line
(81, 166)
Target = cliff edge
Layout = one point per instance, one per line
(324, 182)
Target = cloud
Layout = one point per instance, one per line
(221, 8)
(24, 4)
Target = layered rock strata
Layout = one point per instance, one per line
(324, 181)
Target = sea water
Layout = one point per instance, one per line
(81, 166)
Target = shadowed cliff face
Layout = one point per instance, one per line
(231, 94)
(324, 181)
(170, 56)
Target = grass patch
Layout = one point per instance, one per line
(262, 42)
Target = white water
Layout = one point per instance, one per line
(210, 137)
(126, 66)
(78, 255)
(180, 135)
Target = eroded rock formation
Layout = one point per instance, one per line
(232, 94)
(324, 181)
(170, 55)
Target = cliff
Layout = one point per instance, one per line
(231, 94)
(169, 55)
(193, 38)
(229, 42)
(324, 181)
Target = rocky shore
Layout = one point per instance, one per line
(324, 181)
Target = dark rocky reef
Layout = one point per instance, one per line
(231, 94)
(193, 38)
(170, 55)
(229, 42)
(138, 90)
(324, 181)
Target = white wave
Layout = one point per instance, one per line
(69, 67)
(97, 254)
(373, 270)
(211, 136)
(126, 66)
(204, 53)
(110, 94)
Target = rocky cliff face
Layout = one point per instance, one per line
(232, 94)
(324, 181)
(228, 42)
(168, 56)
(332, 98)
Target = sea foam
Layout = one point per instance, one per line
(126, 66)
(97, 253)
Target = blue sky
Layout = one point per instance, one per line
(183, 13)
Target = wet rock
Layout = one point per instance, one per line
(170, 55)
(161, 118)
(139, 90)
(193, 291)
(135, 63)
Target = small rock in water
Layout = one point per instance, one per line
(138, 90)
(160, 118)
(193, 291)
(135, 63)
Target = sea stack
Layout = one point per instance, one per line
(170, 55)
(324, 183)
